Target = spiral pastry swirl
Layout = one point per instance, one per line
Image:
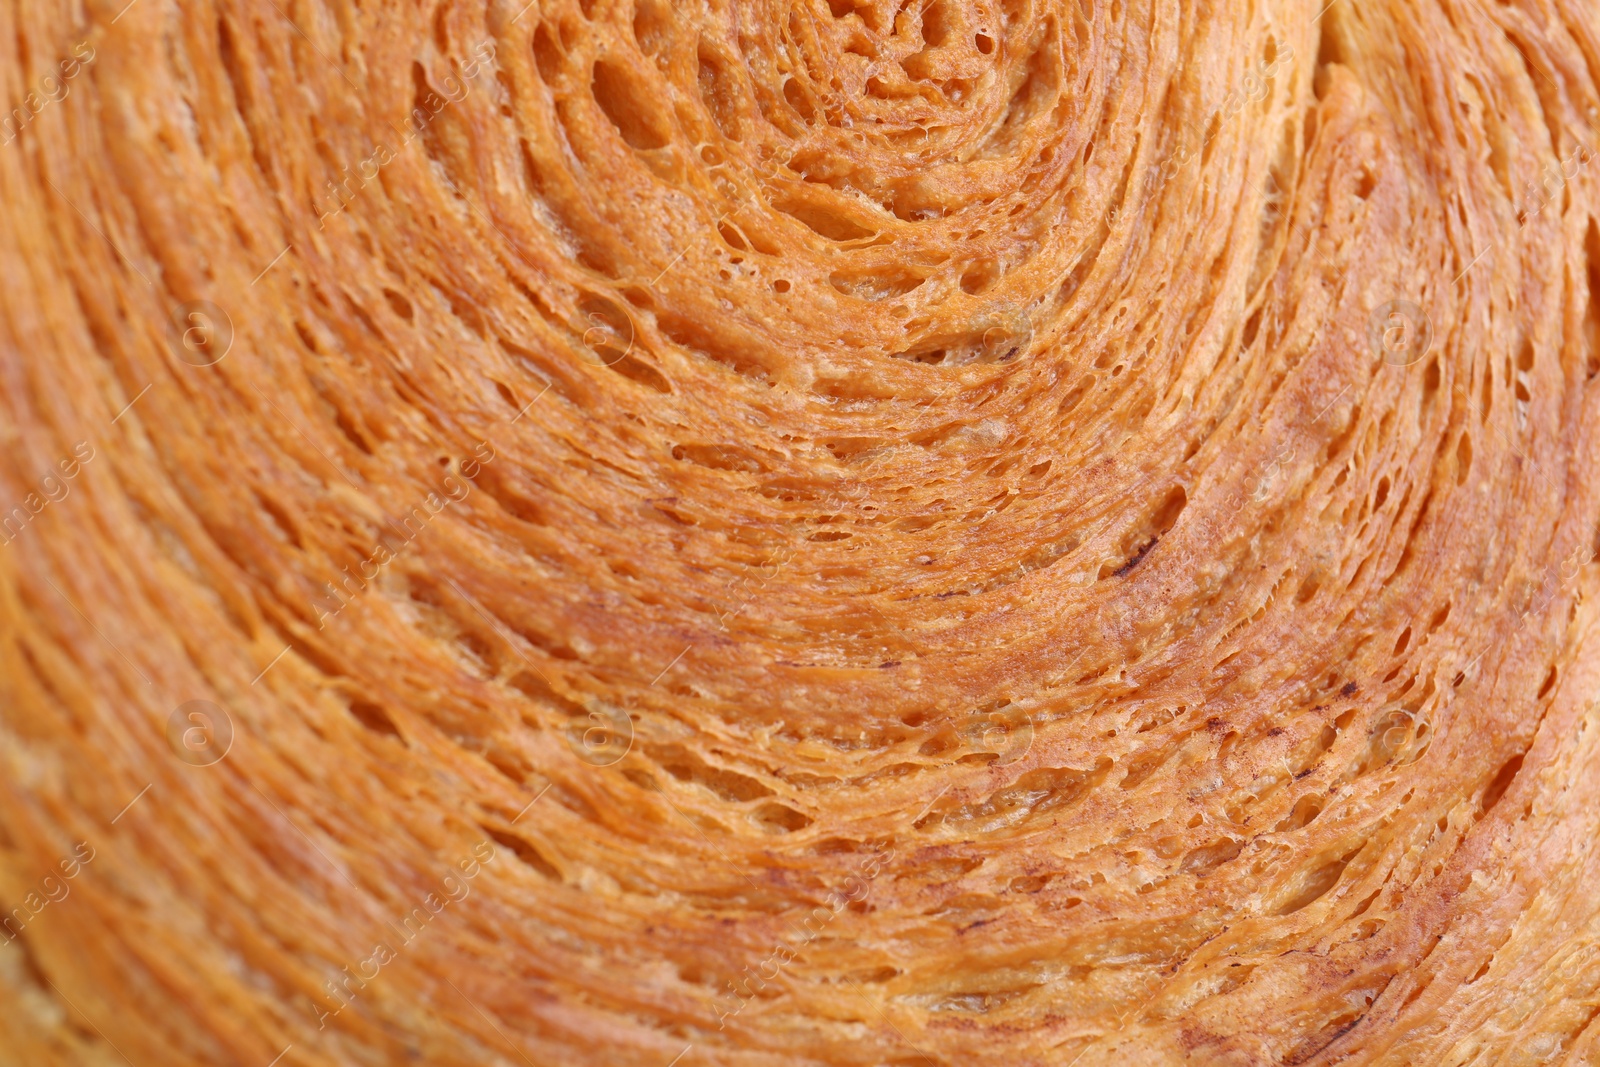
(761, 534)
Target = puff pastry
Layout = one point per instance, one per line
(853, 532)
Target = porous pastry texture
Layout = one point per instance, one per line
(852, 532)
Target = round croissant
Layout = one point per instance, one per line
(857, 532)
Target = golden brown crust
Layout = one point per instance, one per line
(838, 532)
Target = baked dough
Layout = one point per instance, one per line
(852, 532)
